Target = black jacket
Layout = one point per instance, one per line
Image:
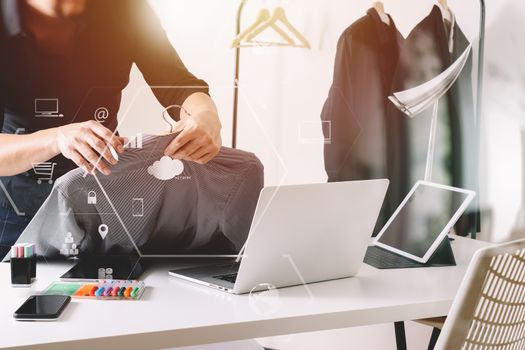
(355, 111)
(425, 54)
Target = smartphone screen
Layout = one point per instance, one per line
(42, 307)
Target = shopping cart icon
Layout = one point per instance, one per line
(44, 171)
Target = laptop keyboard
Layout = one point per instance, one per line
(384, 259)
(230, 277)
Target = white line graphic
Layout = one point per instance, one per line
(15, 208)
(117, 214)
(287, 256)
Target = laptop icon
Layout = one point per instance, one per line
(47, 108)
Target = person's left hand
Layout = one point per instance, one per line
(199, 139)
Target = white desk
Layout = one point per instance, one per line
(173, 312)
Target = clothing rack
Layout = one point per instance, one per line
(479, 92)
(236, 78)
(481, 58)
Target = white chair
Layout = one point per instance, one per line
(488, 312)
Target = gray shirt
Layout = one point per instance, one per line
(152, 204)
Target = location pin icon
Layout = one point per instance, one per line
(103, 231)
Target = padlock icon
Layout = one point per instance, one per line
(92, 197)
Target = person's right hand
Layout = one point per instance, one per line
(85, 142)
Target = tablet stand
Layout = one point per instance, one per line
(443, 256)
(383, 259)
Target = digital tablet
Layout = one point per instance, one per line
(423, 219)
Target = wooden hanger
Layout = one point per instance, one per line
(279, 15)
(380, 8)
(262, 17)
(444, 4)
(445, 10)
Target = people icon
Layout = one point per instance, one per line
(69, 247)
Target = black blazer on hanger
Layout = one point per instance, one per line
(355, 110)
(425, 54)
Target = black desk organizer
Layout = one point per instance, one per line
(23, 271)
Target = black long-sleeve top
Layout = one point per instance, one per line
(110, 37)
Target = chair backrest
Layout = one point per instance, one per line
(489, 309)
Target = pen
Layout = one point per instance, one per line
(122, 290)
(137, 290)
(99, 292)
(115, 290)
(128, 289)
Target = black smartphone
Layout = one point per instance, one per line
(42, 308)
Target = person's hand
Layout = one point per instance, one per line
(84, 143)
(199, 140)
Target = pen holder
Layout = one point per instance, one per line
(23, 271)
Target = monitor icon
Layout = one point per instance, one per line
(47, 108)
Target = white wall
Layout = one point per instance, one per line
(504, 112)
(281, 87)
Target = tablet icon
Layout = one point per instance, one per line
(137, 207)
(47, 108)
(314, 132)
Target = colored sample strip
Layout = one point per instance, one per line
(59, 288)
(104, 290)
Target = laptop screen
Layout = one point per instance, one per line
(422, 219)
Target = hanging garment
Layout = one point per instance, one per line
(152, 203)
(431, 47)
(354, 112)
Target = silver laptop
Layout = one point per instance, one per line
(300, 234)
